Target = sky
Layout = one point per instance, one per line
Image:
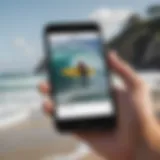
(22, 23)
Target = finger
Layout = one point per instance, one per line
(128, 75)
(44, 88)
(48, 107)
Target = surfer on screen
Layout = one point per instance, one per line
(83, 70)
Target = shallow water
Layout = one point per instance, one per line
(18, 97)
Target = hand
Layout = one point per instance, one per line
(136, 121)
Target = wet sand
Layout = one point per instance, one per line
(33, 139)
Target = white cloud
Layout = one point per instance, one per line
(21, 44)
(27, 55)
(111, 20)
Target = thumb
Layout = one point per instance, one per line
(128, 75)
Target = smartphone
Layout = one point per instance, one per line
(79, 76)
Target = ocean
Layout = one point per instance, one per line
(19, 95)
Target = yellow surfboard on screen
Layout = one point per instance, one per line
(74, 72)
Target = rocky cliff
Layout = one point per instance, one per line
(139, 44)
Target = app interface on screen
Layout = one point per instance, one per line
(79, 75)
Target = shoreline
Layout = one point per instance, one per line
(36, 139)
(33, 139)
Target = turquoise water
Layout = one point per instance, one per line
(70, 54)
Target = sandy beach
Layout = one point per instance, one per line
(36, 139)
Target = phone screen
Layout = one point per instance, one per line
(79, 74)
